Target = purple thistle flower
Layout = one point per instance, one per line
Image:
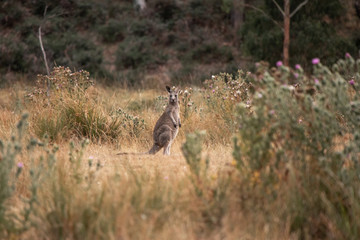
(297, 66)
(352, 82)
(20, 165)
(315, 61)
(213, 90)
(279, 63)
(347, 55)
(296, 75)
(316, 81)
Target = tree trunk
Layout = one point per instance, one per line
(141, 4)
(286, 32)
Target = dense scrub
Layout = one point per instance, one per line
(294, 171)
(178, 41)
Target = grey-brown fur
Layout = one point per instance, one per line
(167, 127)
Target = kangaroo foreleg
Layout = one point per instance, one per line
(173, 121)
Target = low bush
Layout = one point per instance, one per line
(304, 138)
(224, 91)
(73, 50)
(113, 31)
(294, 172)
(209, 52)
(138, 53)
(70, 112)
(13, 55)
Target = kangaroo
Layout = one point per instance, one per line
(167, 126)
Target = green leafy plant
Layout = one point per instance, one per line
(307, 135)
(11, 169)
(113, 31)
(132, 124)
(192, 152)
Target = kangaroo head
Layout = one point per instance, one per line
(173, 95)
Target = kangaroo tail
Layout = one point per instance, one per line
(155, 148)
(126, 153)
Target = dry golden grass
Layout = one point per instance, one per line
(131, 196)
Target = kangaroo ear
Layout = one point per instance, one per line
(168, 88)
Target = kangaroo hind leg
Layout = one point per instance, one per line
(167, 149)
(165, 139)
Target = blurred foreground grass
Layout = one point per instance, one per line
(278, 158)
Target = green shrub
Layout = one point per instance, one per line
(73, 50)
(28, 27)
(224, 91)
(113, 31)
(12, 54)
(192, 149)
(51, 126)
(10, 13)
(9, 152)
(208, 12)
(11, 168)
(68, 109)
(210, 52)
(133, 125)
(307, 135)
(141, 28)
(138, 53)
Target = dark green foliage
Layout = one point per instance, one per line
(83, 33)
(73, 50)
(183, 75)
(138, 53)
(113, 31)
(29, 27)
(166, 10)
(12, 54)
(311, 33)
(210, 52)
(141, 28)
(10, 13)
(208, 12)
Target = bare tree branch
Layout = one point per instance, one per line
(43, 52)
(44, 55)
(45, 11)
(264, 13)
(278, 6)
(298, 8)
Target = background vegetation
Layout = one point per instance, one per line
(273, 159)
(265, 151)
(169, 41)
